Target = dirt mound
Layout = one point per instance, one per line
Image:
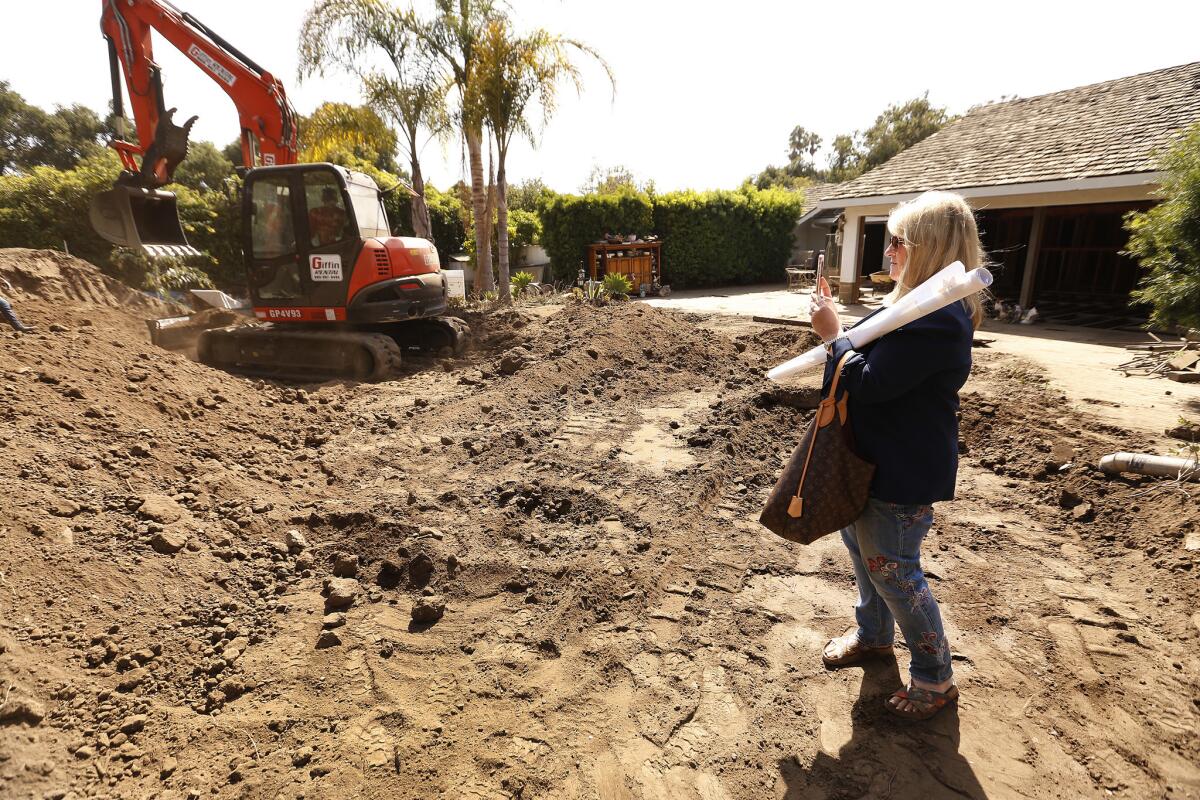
(1026, 432)
(536, 571)
(62, 279)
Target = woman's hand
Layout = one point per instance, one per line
(821, 311)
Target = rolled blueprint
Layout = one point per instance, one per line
(950, 284)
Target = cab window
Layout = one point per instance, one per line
(276, 269)
(368, 207)
(328, 222)
(271, 231)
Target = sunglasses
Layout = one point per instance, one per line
(896, 242)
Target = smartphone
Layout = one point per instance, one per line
(820, 273)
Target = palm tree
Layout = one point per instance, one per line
(515, 71)
(350, 34)
(453, 36)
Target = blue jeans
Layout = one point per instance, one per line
(6, 311)
(885, 546)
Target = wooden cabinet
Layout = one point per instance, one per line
(640, 262)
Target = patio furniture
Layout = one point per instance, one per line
(881, 282)
(799, 277)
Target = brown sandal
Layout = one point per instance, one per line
(847, 650)
(928, 703)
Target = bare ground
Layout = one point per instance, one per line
(581, 492)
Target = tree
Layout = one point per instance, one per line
(31, 137)
(1166, 239)
(803, 145)
(845, 162)
(780, 177)
(453, 36)
(528, 194)
(514, 71)
(614, 180)
(233, 152)
(411, 90)
(338, 132)
(205, 167)
(17, 121)
(899, 127)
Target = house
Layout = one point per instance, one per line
(815, 227)
(1051, 179)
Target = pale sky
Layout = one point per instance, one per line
(706, 92)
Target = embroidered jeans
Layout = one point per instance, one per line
(7, 312)
(885, 546)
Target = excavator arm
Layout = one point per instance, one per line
(136, 212)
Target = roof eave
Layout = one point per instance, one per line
(1005, 189)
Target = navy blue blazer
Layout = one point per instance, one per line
(904, 404)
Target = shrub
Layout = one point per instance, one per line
(169, 275)
(725, 237)
(520, 282)
(1166, 239)
(617, 285)
(449, 219)
(570, 223)
(524, 228)
(159, 275)
(46, 207)
(709, 238)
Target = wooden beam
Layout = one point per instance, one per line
(1031, 257)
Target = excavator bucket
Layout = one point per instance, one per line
(130, 216)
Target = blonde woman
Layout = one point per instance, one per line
(903, 402)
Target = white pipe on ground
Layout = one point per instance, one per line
(1145, 464)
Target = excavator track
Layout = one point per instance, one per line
(314, 355)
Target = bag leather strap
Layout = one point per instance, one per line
(825, 413)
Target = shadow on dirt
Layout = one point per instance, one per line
(886, 757)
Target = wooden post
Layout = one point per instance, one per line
(1031, 257)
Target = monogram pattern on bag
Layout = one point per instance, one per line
(835, 484)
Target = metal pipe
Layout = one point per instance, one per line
(1145, 464)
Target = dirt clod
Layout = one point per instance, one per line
(328, 638)
(341, 593)
(429, 609)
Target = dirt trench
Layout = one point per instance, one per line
(536, 571)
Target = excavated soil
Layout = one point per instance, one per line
(536, 572)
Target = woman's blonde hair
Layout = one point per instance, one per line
(938, 228)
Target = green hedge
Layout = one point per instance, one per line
(726, 237)
(709, 238)
(570, 223)
(47, 206)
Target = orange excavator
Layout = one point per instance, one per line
(334, 293)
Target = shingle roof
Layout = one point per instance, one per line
(816, 193)
(1111, 128)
